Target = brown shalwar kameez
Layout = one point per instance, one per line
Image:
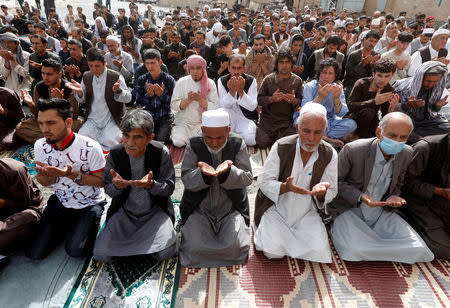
(362, 107)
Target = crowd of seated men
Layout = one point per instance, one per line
(353, 109)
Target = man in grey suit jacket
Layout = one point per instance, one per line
(370, 177)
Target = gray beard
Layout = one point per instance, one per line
(215, 152)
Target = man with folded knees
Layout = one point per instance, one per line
(215, 172)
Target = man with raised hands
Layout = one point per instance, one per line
(298, 179)
(371, 175)
(104, 93)
(140, 177)
(214, 209)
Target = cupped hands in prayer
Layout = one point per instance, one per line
(120, 183)
(47, 170)
(210, 171)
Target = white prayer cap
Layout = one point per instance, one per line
(204, 20)
(218, 27)
(376, 22)
(349, 19)
(314, 107)
(382, 17)
(292, 21)
(313, 19)
(307, 16)
(215, 118)
(440, 32)
(183, 15)
(113, 38)
(428, 31)
(206, 7)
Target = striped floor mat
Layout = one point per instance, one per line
(287, 282)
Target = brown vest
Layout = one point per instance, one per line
(116, 108)
(286, 152)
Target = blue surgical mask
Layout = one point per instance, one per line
(391, 147)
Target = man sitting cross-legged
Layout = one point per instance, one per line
(279, 96)
(74, 164)
(371, 174)
(104, 93)
(238, 93)
(140, 177)
(215, 172)
(297, 180)
(427, 192)
(192, 95)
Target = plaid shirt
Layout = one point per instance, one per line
(157, 106)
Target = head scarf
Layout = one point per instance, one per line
(411, 86)
(123, 39)
(300, 53)
(196, 60)
(8, 36)
(96, 31)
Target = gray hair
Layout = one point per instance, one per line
(384, 121)
(315, 113)
(135, 119)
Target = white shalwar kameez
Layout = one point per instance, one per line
(240, 125)
(292, 226)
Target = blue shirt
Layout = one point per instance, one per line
(157, 106)
(311, 91)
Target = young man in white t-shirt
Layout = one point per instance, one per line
(74, 164)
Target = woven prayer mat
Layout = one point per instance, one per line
(137, 281)
(288, 282)
(24, 154)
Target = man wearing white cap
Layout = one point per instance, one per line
(213, 36)
(214, 209)
(436, 51)
(421, 41)
(298, 179)
(118, 60)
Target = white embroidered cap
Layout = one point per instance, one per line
(215, 118)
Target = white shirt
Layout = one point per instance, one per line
(191, 114)
(232, 104)
(416, 60)
(84, 155)
(100, 114)
(292, 226)
(8, 18)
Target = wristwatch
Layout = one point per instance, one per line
(77, 180)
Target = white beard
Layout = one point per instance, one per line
(215, 152)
